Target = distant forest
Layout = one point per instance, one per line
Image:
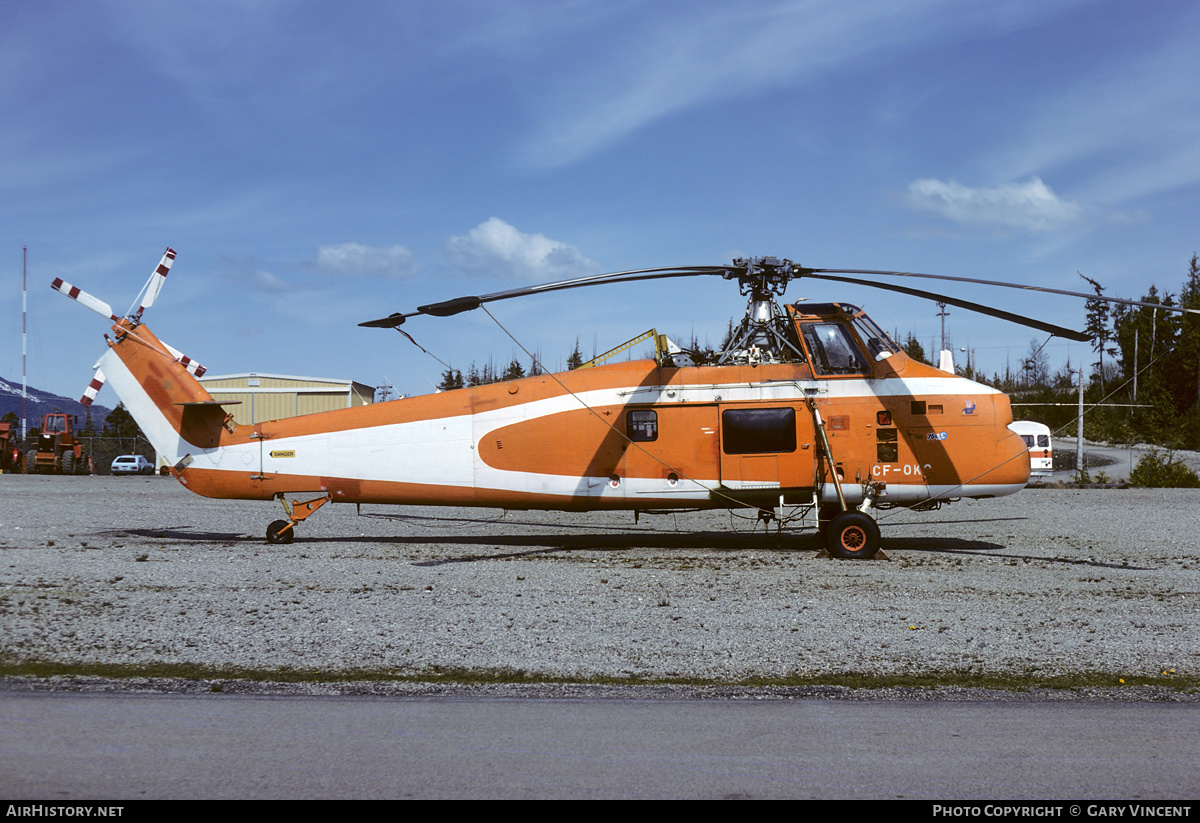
(1143, 385)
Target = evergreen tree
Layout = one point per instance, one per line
(575, 360)
(1188, 348)
(515, 371)
(120, 424)
(1097, 325)
(451, 379)
(913, 348)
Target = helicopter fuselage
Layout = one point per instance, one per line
(640, 435)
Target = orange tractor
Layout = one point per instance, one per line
(10, 452)
(58, 451)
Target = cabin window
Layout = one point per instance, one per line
(886, 446)
(1043, 441)
(642, 426)
(918, 407)
(758, 431)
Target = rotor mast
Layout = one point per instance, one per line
(762, 336)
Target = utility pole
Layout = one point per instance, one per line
(943, 314)
(1137, 363)
(1079, 431)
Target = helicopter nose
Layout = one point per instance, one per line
(1012, 462)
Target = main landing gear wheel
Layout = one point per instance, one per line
(276, 533)
(853, 536)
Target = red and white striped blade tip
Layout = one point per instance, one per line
(79, 295)
(93, 388)
(155, 284)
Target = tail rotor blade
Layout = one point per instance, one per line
(155, 283)
(93, 388)
(187, 362)
(80, 296)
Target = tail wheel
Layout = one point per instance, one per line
(852, 535)
(276, 533)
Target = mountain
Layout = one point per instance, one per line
(40, 402)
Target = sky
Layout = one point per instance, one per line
(318, 164)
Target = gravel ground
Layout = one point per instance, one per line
(1041, 584)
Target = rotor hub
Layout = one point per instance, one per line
(763, 278)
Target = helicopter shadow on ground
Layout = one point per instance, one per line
(559, 538)
(614, 539)
(180, 534)
(956, 546)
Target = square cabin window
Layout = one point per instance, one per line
(758, 431)
(642, 426)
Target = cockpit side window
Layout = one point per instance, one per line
(833, 350)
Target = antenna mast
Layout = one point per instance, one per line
(24, 386)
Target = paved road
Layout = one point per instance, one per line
(1115, 461)
(112, 747)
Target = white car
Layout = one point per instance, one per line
(132, 464)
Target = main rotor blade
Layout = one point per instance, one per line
(457, 305)
(1084, 295)
(1050, 328)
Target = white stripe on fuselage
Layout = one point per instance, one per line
(442, 451)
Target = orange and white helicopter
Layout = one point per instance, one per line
(811, 406)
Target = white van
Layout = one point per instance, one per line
(1037, 439)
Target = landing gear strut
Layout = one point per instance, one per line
(284, 531)
(848, 534)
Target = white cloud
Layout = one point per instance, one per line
(265, 281)
(1030, 205)
(496, 248)
(355, 260)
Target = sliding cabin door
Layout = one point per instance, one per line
(766, 447)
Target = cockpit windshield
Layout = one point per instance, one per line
(877, 340)
(833, 350)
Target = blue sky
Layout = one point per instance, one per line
(320, 164)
